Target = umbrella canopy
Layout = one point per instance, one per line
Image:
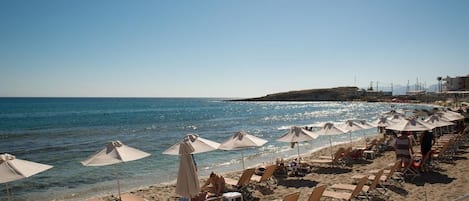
(12, 169)
(242, 140)
(383, 122)
(410, 125)
(351, 126)
(199, 144)
(114, 152)
(187, 183)
(450, 115)
(436, 121)
(297, 134)
(330, 129)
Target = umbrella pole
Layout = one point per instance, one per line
(8, 192)
(330, 142)
(118, 184)
(350, 134)
(242, 158)
(298, 145)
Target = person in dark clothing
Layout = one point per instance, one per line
(426, 142)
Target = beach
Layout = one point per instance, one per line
(448, 182)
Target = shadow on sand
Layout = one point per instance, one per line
(331, 170)
(432, 178)
(297, 183)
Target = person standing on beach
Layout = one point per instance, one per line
(404, 149)
(427, 140)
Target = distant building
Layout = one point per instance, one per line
(456, 83)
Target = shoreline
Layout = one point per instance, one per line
(448, 183)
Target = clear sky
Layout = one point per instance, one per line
(225, 48)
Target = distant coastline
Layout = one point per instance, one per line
(346, 93)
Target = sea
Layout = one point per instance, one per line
(64, 131)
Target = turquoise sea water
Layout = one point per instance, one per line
(63, 131)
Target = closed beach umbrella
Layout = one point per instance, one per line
(410, 125)
(297, 134)
(330, 129)
(12, 169)
(199, 144)
(187, 184)
(242, 140)
(114, 152)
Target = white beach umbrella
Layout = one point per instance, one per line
(351, 126)
(297, 134)
(330, 129)
(242, 140)
(436, 121)
(114, 152)
(410, 125)
(187, 184)
(199, 144)
(12, 169)
(450, 115)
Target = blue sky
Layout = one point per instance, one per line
(214, 48)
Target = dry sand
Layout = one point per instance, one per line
(449, 182)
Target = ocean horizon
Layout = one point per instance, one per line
(62, 131)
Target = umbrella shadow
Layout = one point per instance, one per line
(265, 190)
(398, 190)
(331, 170)
(361, 162)
(432, 178)
(297, 183)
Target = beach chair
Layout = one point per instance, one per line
(335, 161)
(130, 197)
(347, 195)
(241, 185)
(389, 175)
(368, 191)
(292, 197)
(267, 176)
(124, 197)
(317, 193)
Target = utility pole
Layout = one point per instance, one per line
(407, 89)
(392, 89)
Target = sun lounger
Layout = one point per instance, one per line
(124, 197)
(347, 195)
(317, 193)
(241, 185)
(336, 161)
(388, 175)
(292, 197)
(266, 176)
(368, 190)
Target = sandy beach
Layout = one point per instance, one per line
(448, 182)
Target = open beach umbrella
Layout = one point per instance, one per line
(450, 115)
(330, 129)
(436, 121)
(351, 126)
(242, 140)
(297, 134)
(410, 125)
(12, 169)
(114, 152)
(187, 184)
(199, 144)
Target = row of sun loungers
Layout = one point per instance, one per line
(366, 186)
